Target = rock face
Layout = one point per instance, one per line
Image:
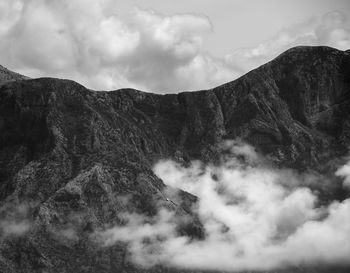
(7, 75)
(68, 154)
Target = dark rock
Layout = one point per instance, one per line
(7, 75)
(83, 157)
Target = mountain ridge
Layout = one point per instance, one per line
(8, 75)
(67, 150)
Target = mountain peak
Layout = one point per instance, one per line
(81, 158)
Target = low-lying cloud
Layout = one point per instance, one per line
(255, 217)
(14, 220)
(344, 172)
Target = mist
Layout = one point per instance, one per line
(254, 216)
(14, 221)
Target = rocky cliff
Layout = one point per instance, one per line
(69, 155)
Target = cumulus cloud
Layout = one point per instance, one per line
(252, 219)
(167, 43)
(88, 41)
(85, 41)
(332, 29)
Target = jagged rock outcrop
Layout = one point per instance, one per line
(73, 155)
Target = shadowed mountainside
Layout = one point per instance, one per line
(69, 154)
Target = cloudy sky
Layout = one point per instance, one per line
(161, 45)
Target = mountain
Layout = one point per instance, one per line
(69, 154)
(7, 75)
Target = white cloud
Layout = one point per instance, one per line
(253, 219)
(37, 40)
(10, 12)
(331, 30)
(180, 34)
(89, 42)
(112, 40)
(344, 172)
(207, 69)
(167, 43)
(15, 228)
(143, 233)
(14, 220)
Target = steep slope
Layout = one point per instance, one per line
(298, 103)
(71, 155)
(7, 75)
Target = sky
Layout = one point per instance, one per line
(161, 46)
